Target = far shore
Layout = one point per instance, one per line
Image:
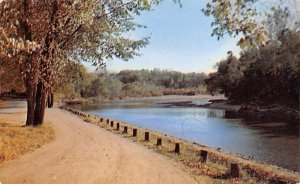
(222, 104)
(151, 98)
(167, 98)
(175, 97)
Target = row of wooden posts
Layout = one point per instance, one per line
(234, 167)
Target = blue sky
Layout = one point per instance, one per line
(180, 40)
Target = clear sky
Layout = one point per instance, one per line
(180, 40)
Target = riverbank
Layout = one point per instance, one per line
(270, 112)
(145, 99)
(249, 111)
(217, 166)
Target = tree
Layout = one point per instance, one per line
(128, 76)
(9, 80)
(235, 18)
(42, 36)
(277, 23)
(266, 75)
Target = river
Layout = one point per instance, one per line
(276, 143)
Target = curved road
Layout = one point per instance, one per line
(84, 153)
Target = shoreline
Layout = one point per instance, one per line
(219, 158)
(147, 99)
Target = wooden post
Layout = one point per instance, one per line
(101, 119)
(146, 136)
(107, 121)
(203, 156)
(177, 148)
(234, 170)
(118, 126)
(158, 143)
(112, 123)
(125, 129)
(134, 132)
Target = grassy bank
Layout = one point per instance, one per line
(16, 139)
(217, 167)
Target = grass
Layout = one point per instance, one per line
(216, 169)
(16, 140)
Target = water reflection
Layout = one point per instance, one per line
(272, 142)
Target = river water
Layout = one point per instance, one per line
(276, 143)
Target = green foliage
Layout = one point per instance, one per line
(43, 37)
(277, 23)
(236, 18)
(130, 83)
(270, 74)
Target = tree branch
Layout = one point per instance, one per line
(69, 37)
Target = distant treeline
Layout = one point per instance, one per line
(266, 75)
(13, 94)
(132, 83)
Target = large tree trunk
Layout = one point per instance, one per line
(41, 100)
(31, 94)
(29, 80)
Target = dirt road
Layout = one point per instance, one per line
(84, 153)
